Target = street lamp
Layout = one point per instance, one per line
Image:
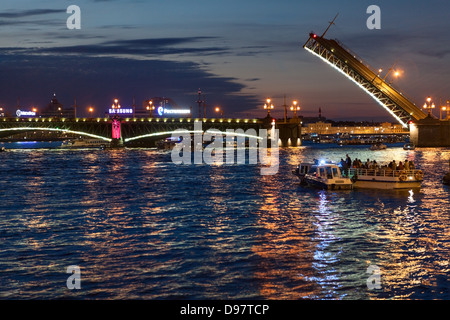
(429, 105)
(295, 108)
(268, 106)
(116, 104)
(447, 108)
(150, 108)
(219, 110)
(91, 111)
(440, 112)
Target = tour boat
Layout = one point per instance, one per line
(85, 143)
(378, 146)
(325, 175)
(385, 178)
(409, 146)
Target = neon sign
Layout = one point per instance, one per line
(21, 113)
(120, 111)
(161, 111)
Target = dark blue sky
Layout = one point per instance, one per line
(238, 52)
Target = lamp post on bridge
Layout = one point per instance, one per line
(444, 108)
(429, 105)
(268, 106)
(150, 108)
(218, 109)
(295, 108)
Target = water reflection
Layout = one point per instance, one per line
(141, 227)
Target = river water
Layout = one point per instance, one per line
(140, 227)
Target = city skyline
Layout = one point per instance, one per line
(237, 53)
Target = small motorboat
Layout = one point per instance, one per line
(324, 175)
(378, 146)
(409, 146)
(2, 149)
(302, 169)
(168, 143)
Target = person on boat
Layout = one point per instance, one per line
(393, 165)
(400, 166)
(348, 161)
(411, 165)
(375, 165)
(344, 167)
(406, 165)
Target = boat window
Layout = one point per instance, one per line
(335, 172)
(313, 170)
(322, 172)
(329, 173)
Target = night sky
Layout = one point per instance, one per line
(238, 52)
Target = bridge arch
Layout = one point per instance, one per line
(81, 133)
(180, 131)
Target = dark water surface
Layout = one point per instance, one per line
(140, 227)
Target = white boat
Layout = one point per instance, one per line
(385, 179)
(409, 146)
(324, 175)
(85, 143)
(302, 169)
(378, 146)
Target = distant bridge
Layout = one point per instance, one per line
(330, 51)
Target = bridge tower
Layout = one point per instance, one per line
(117, 140)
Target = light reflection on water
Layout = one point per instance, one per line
(141, 227)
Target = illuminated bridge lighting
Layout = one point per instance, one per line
(161, 134)
(361, 86)
(57, 130)
(150, 135)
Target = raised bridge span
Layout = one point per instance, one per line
(341, 59)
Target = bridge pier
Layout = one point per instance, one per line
(430, 132)
(290, 133)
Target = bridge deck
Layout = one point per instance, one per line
(371, 78)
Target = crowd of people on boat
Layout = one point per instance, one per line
(347, 163)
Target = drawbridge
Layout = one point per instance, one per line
(341, 59)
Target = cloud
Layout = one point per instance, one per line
(97, 80)
(28, 13)
(139, 47)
